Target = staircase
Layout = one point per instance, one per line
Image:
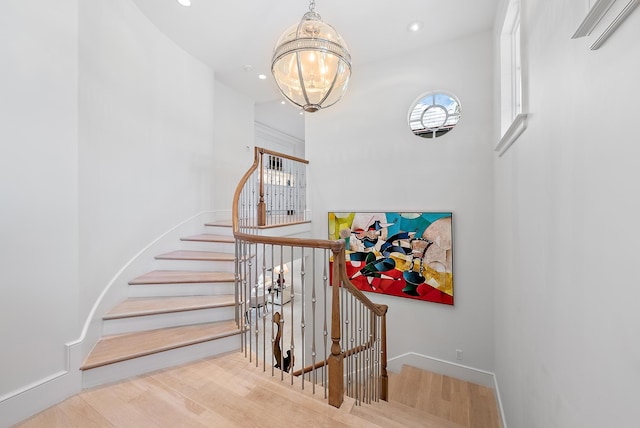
(181, 312)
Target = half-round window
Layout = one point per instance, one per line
(434, 114)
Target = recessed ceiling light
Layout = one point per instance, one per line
(261, 76)
(414, 26)
(185, 3)
(282, 102)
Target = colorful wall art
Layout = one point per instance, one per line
(405, 254)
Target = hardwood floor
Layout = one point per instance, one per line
(227, 391)
(467, 404)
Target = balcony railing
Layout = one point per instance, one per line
(303, 321)
(274, 191)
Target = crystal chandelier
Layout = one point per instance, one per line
(311, 63)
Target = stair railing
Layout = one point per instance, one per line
(277, 190)
(302, 318)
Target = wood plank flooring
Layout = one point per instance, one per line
(467, 404)
(228, 391)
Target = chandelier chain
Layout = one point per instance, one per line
(312, 5)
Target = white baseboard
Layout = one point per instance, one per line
(499, 400)
(447, 368)
(43, 393)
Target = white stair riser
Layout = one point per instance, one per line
(194, 265)
(172, 319)
(168, 290)
(219, 230)
(137, 366)
(222, 247)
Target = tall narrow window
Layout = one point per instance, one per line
(516, 71)
(512, 112)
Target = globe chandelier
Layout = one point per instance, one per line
(311, 63)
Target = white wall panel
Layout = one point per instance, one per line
(38, 189)
(363, 157)
(567, 318)
(146, 138)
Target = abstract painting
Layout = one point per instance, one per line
(405, 254)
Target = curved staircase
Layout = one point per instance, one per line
(183, 311)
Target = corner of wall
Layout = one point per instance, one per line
(43, 393)
(458, 371)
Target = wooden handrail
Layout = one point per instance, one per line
(379, 310)
(281, 155)
(339, 279)
(238, 192)
(257, 157)
(336, 246)
(346, 353)
(258, 162)
(327, 244)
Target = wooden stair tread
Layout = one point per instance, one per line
(117, 348)
(207, 237)
(407, 416)
(220, 223)
(181, 277)
(160, 305)
(196, 255)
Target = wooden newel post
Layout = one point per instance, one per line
(262, 208)
(336, 363)
(384, 387)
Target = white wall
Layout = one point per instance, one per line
(276, 140)
(363, 157)
(283, 117)
(234, 136)
(38, 188)
(146, 138)
(567, 209)
(107, 142)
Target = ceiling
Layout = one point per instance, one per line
(229, 35)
